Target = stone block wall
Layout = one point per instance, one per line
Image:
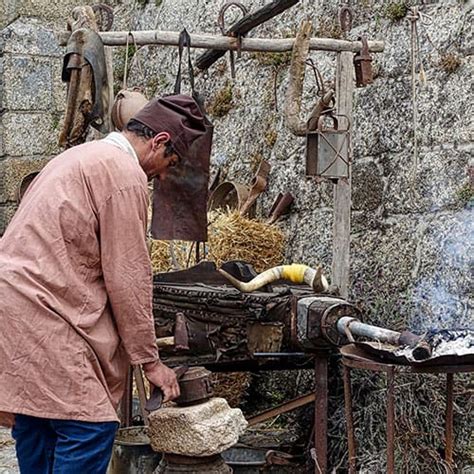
(32, 102)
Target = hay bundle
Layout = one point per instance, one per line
(231, 237)
(231, 385)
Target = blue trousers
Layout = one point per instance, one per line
(46, 446)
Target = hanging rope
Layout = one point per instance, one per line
(134, 60)
(414, 17)
(414, 33)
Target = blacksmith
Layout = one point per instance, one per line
(76, 291)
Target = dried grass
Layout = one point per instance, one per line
(231, 385)
(231, 237)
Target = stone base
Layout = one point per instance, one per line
(199, 430)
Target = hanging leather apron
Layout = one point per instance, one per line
(180, 199)
(84, 70)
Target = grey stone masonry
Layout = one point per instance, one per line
(32, 99)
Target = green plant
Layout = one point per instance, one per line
(329, 28)
(222, 102)
(55, 117)
(450, 62)
(465, 193)
(271, 136)
(276, 60)
(158, 2)
(395, 11)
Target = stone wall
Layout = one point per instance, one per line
(412, 228)
(32, 102)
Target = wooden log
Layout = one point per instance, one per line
(244, 25)
(295, 87)
(265, 45)
(342, 190)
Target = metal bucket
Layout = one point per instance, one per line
(132, 453)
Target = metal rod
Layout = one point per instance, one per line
(349, 419)
(366, 330)
(137, 373)
(280, 354)
(126, 404)
(390, 420)
(321, 412)
(283, 408)
(351, 326)
(171, 38)
(449, 420)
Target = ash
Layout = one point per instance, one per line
(451, 342)
(459, 342)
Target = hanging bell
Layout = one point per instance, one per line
(363, 65)
(327, 149)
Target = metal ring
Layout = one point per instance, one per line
(225, 7)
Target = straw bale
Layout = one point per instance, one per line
(231, 237)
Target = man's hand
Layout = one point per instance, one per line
(163, 377)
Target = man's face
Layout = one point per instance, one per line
(160, 158)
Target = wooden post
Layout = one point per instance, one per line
(342, 190)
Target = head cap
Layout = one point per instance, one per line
(179, 115)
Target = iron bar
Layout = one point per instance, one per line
(283, 408)
(321, 412)
(126, 403)
(349, 419)
(281, 354)
(137, 372)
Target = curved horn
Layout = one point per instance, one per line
(294, 273)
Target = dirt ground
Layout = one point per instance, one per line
(8, 464)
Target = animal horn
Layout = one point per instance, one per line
(294, 273)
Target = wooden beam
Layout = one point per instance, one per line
(243, 26)
(171, 38)
(342, 190)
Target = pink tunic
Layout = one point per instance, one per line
(76, 287)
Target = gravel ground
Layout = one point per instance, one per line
(8, 463)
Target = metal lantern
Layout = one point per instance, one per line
(327, 149)
(363, 65)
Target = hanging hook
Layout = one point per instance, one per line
(221, 23)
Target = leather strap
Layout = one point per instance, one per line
(184, 40)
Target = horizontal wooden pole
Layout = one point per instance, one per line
(268, 45)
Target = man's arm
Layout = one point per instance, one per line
(128, 279)
(127, 271)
